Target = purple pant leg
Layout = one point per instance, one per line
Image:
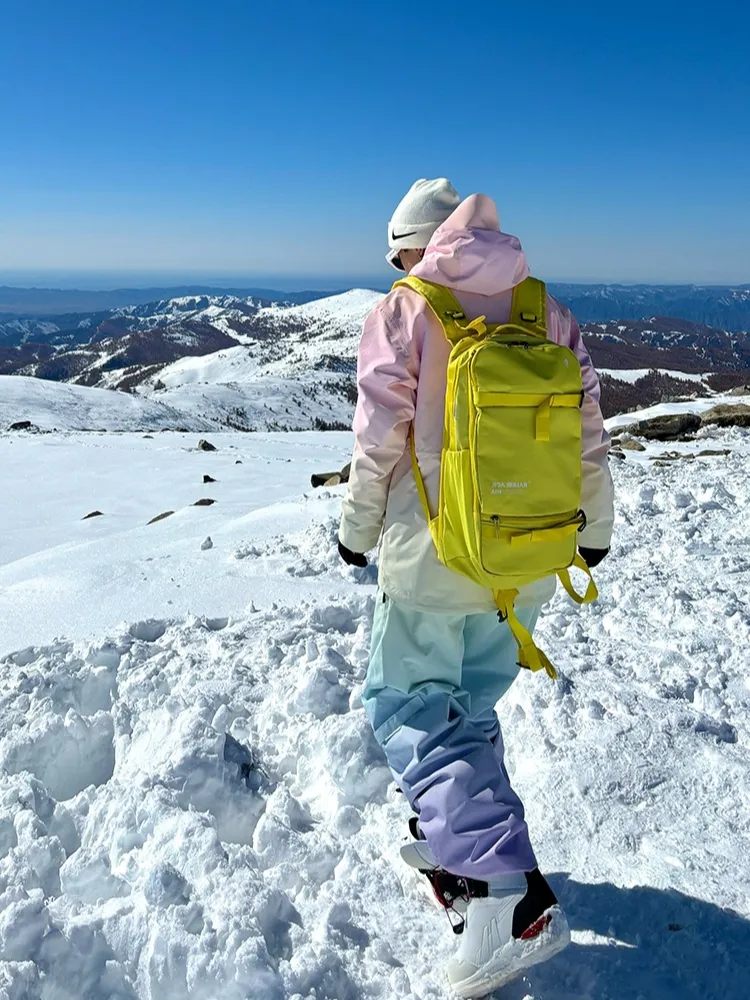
(431, 689)
(454, 778)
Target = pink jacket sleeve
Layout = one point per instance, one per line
(387, 382)
(598, 490)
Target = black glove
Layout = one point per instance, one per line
(351, 558)
(593, 556)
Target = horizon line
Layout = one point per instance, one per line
(10, 279)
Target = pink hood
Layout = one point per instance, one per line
(469, 253)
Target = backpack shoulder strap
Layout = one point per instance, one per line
(449, 314)
(443, 303)
(529, 306)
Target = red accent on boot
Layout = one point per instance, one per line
(535, 929)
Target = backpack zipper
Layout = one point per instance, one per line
(511, 522)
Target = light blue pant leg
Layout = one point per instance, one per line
(486, 683)
(490, 664)
(431, 688)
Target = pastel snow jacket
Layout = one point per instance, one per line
(402, 369)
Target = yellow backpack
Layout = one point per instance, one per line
(510, 476)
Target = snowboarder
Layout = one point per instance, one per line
(440, 659)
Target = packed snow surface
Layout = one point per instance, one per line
(192, 403)
(192, 803)
(61, 406)
(63, 574)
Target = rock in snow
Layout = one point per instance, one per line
(667, 428)
(631, 444)
(728, 415)
(161, 517)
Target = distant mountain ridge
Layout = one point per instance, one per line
(119, 347)
(664, 342)
(115, 347)
(725, 307)
(245, 365)
(122, 347)
(55, 303)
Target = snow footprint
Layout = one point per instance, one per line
(149, 630)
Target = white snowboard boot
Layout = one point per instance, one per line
(517, 925)
(506, 925)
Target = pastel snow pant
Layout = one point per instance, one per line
(432, 685)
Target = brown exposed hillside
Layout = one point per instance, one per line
(666, 342)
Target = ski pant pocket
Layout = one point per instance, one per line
(401, 715)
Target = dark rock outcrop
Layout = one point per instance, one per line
(666, 428)
(727, 415)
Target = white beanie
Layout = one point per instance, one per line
(425, 206)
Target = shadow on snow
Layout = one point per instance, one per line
(647, 944)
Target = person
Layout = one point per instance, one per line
(440, 659)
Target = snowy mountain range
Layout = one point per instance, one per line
(250, 363)
(199, 363)
(726, 307)
(121, 347)
(130, 344)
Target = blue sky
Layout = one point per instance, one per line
(244, 138)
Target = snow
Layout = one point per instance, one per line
(234, 364)
(335, 315)
(60, 405)
(192, 803)
(278, 381)
(633, 374)
(30, 327)
(268, 402)
(328, 327)
(197, 406)
(62, 573)
(348, 306)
